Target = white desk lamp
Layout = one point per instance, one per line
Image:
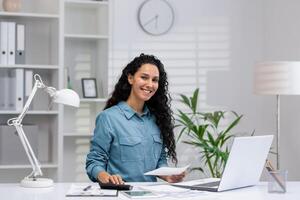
(64, 96)
(277, 78)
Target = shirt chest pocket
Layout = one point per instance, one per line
(157, 146)
(131, 148)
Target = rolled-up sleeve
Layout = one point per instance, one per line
(98, 156)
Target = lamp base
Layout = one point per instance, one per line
(36, 182)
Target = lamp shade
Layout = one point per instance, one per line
(66, 97)
(277, 78)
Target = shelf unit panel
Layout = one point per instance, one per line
(28, 15)
(30, 112)
(86, 42)
(87, 59)
(43, 166)
(39, 7)
(82, 36)
(81, 121)
(86, 3)
(86, 17)
(41, 102)
(24, 66)
(74, 160)
(41, 39)
(95, 100)
(78, 134)
(42, 135)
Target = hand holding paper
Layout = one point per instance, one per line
(167, 171)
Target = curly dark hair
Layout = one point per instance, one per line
(158, 104)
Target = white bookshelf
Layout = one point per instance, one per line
(86, 47)
(61, 35)
(41, 20)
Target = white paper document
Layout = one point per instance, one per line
(77, 190)
(169, 191)
(166, 171)
(164, 188)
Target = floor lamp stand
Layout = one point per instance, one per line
(278, 132)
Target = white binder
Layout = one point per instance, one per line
(28, 84)
(20, 44)
(4, 89)
(19, 89)
(11, 43)
(11, 94)
(3, 42)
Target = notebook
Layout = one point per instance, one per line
(243, 168)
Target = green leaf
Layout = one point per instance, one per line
(233, 124)
(194, 100)
(185, 100)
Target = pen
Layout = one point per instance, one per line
(87, 188)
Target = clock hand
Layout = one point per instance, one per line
(156, 17)
(150, 20)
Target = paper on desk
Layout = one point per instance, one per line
(77, 190)
(173, 192)
(164, 188)
(166, 171)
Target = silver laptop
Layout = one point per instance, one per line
(243, 168)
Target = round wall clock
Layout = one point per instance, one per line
(156, 17)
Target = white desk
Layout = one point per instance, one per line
(259, 192)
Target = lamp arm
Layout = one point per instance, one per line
(30, 154)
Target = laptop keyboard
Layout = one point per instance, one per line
(210, 184)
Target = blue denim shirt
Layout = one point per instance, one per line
(125, 143)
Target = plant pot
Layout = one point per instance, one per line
(11, 5)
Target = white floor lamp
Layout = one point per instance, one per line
(277, 78)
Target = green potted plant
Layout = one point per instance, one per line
(204, 132)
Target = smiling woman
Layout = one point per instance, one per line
(134, 133)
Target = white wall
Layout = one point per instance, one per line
(225, 79)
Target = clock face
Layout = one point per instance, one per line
(156, 17)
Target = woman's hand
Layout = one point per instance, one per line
(105, 177)
(173, 178)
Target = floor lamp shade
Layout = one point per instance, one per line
(277, 78)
